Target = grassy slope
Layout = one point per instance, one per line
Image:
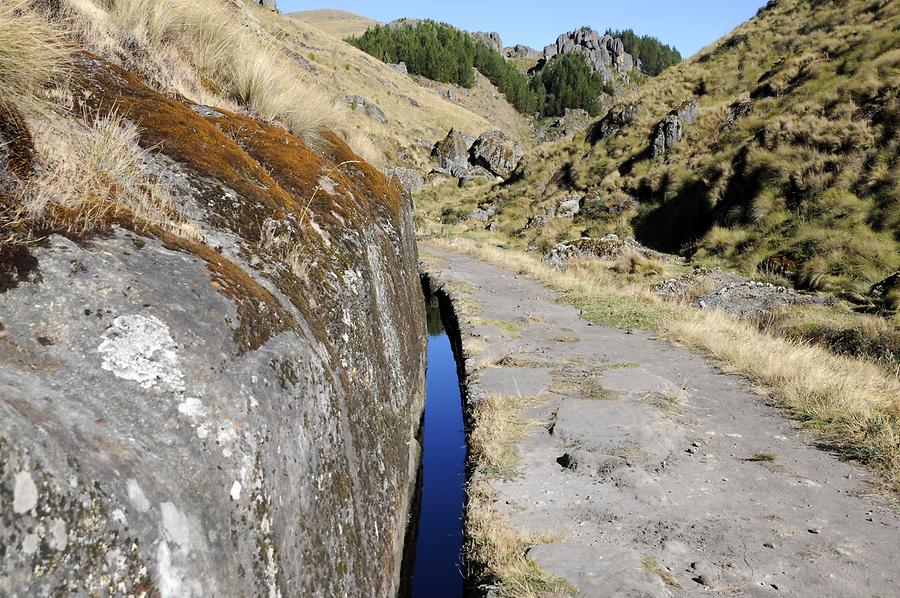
(811, 172)
(343, 70)
(337, 23)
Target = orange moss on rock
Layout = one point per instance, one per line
(274, 176)
(261, 316)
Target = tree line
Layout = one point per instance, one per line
(446, 54)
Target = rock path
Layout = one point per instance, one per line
(660, 475)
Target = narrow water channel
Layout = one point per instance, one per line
(437, 564)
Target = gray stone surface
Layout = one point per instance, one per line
(182, 419)
(359, 104)
(410, 179)
(666, 135)
(734, 294)
(644, 466)
(523, 52)
(494, 151)
(490, 39)
(613, 122)
(452, 152)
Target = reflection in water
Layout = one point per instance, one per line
(437, 568)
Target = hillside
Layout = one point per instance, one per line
(417, 112)
(336, 23)
(790, 169)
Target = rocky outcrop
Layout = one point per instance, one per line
(495, 152)
(718, 289)
(270, 4)
(522, 52)
(666, 135)
(359, 104)
(225, 416)
(667, 132)
(608, 248)
(573, 122)
(605, 54)
(736, 112)
(409, 179)
(614, 121)
(492, 155)
(491, 40)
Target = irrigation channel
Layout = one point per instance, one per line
(435, 568)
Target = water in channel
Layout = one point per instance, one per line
(437, 569)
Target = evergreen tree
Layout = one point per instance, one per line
(655, 55)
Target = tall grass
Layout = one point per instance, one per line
(150, 21)
(31, 53)
(209, 52)
(93, 170)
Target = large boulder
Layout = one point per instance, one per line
(666, 135)
(452, 152)
(494, 151)
(574, 121)
(410, 179)
(667, 132)
(228, 412)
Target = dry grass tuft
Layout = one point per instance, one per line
(497, 428)
(632, 262)
(497, 553)
(149, 21)
(208, 52)
(257, 77)
(366, 149)
(94, 171)
(31, 53)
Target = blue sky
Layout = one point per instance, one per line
(689, 24)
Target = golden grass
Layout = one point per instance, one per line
(852, 404)
(498, 426)
(497, 554)
(92, 171)
(209, 51)
(494, 552)
(32, 52)
(150, 21)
